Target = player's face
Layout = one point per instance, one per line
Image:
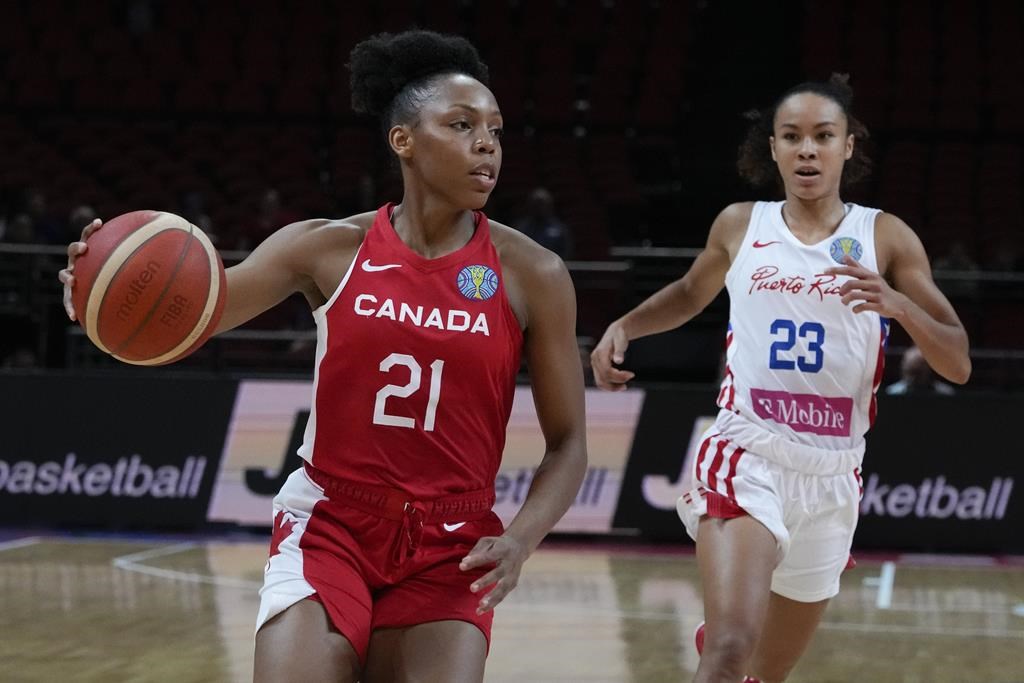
(810, 145)
(455, 145)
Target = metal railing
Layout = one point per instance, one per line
(30, 305)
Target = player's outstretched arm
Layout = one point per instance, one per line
(285, 263)
(674, 304)
(913, 299)
(556, 376)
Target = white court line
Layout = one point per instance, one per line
(20, 543)
(934, 561)
(885, 581)
(153, 552)
(828, 625)
(924, 630)
(131, 563)
(960, 609)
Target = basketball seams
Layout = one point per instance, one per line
(113, 264)
(159, 298)
(213, 294)
(83, 315)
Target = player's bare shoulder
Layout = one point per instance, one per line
(893, 239)
(323, 244)
(314, 254)
(522, 255)
(332, 245)
(331, 234)
(730, 227)
(530, 270)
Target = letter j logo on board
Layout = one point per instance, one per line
(477, 282)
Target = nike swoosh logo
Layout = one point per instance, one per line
(370, 268)
(758, 245)
(453, 527)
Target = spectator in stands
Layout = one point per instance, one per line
(21, 357)
(47, 228)
(1007, 257)
(542, 225)
(367, 192)
(82, 214)
(6, 207)
(192, 207)
(270, 216)
(917, 377)
(956, 258)
(21, 230)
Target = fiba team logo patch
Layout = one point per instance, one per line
(841, 246)
(477, 282)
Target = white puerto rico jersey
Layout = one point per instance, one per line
(799, 363)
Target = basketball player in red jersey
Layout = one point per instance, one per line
(386, 560)
(813, 285)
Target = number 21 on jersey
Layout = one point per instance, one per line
(786, 333)
(380, 414)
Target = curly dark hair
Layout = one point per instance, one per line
(755, 162)
(394, 74)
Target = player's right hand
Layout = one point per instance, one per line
(611, 351)
(66, 275)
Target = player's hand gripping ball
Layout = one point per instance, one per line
(149, 289)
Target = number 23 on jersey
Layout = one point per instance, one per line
(786, 332)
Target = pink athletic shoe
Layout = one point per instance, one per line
(698, 639)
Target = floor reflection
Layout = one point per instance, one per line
(123, 610)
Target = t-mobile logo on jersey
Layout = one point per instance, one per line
(828, 416)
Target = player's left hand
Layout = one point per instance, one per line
(508, 555)
(869, 289)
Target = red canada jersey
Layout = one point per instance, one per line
(416, 362)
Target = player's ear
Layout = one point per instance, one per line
(849, 146)
(400, 140)
(771, 143)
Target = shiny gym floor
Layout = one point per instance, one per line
(180, 609)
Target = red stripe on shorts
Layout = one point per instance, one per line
(733, 462)
(716, 464)
(703, 452)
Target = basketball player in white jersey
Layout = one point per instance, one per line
(813, 284)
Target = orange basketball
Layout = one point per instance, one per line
(150, 289)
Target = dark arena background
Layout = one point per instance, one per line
(135, 502)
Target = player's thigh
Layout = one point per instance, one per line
(300, 644)
(736, 558)
(788, 629)
(450, 651)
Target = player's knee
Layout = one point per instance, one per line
(729, 652)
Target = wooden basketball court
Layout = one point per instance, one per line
(167, 609)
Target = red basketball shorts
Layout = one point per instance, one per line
(373, 559)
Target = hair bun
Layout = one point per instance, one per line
(384, 64)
